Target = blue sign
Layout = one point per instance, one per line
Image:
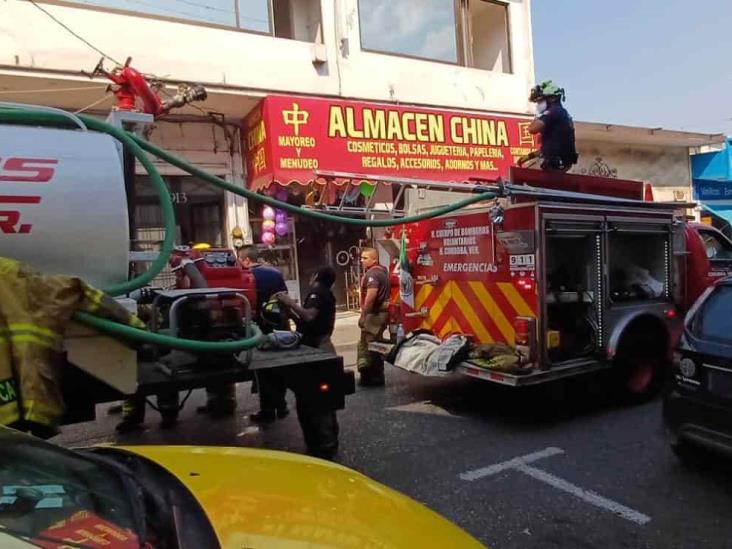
(712, 190)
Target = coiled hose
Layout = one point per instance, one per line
(137, 146)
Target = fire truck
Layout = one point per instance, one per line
(572, 273)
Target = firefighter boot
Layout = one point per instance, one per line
(220, 401)
(320, 431)
(133, 414)
(168, 406)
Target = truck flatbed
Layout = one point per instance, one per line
(154, 376)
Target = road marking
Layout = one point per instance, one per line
(521, 464)
(510, 464)
(424, 407)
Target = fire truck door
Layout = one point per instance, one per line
(573, 287)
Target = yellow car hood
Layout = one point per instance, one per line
(257, 499)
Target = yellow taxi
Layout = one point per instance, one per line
(179, 497)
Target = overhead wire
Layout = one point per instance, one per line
(74, 33)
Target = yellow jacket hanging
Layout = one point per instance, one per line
(34, 312)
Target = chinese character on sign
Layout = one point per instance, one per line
(525, 138)
(295, 117)
(260, 161)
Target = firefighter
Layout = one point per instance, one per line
(270, 282)
(315, 321)
(374, 317)
(558, 150)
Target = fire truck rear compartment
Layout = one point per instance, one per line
(571, 292)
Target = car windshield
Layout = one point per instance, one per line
(713, 322)
(50, 495)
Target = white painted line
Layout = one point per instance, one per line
(521, 464)
(510, 464)
(585, 495)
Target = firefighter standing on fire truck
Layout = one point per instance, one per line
(558, 150)
(374, 318)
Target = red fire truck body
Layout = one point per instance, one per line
(576, 273)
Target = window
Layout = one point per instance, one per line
(488, 46)
(715, 246)
(638, 266)
(713, 321)
(473, 33)
(415, 28)
(295, 19)
(41, 486)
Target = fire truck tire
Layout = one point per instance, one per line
(641, 365)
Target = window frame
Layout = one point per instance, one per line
(194, 22)
(463, 35)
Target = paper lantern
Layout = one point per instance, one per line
(268, 213)
(268, 238)
(281, 229)
(281, 217)
(268, 226)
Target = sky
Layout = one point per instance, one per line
(651, 63)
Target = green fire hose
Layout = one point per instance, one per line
(137, 146)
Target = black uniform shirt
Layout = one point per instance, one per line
(321, 299)
(557, 137)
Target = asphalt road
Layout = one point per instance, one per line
(597, 475)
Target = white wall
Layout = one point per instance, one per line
(664, 167)
(30, 41)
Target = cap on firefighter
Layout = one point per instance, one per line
(546, 89)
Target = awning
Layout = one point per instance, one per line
(723, 211)
(288, 138)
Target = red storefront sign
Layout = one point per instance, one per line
(288, 139)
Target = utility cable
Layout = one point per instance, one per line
(84, 40)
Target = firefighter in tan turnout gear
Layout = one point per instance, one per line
(374, 317)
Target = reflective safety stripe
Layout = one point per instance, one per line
(95, 296)
(35, 329)
(9, 413)
(41, 413)
(26, 338)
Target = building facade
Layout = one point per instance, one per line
(452, 55)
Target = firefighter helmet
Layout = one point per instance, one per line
(546, 89)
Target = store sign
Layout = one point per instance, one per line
(712, 191)
(290, 138)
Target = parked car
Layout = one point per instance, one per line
(160, 497)
(698, 407)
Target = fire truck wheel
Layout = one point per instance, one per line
(641, 364)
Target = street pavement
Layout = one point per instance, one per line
(538, 468)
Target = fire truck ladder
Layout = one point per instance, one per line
(498, 187)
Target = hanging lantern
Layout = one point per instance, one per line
(268, 213)
(280, 217)
(268, 226)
